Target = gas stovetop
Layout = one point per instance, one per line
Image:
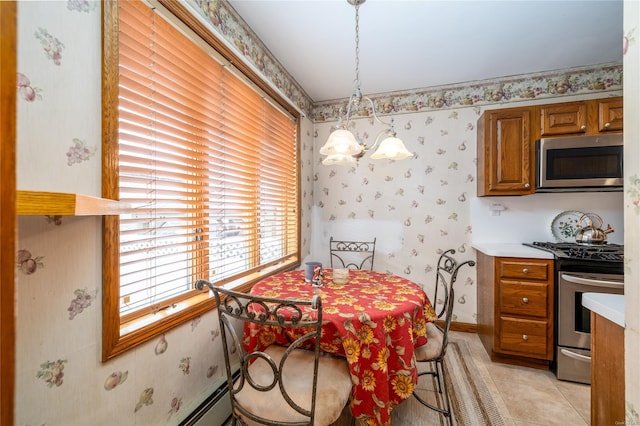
(598, 252)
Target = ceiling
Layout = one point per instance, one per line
(424, 43)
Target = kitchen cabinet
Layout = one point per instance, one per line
(607, 372)
(515, 309)
(607, 357)
(505, 152)
(506, 139)
(590, 117)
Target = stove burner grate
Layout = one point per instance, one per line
(600, 252)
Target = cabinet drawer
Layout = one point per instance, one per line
(528, 337)
(524, 298)
(523, 270)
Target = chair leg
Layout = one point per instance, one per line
(439, 374)
(442, 384)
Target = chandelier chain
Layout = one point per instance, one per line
(342, 146)
(357, 82)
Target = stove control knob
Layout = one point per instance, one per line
(525, 337)
(525, 300)
(525, 271)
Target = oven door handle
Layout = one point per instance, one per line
(592, 282)
(575, 356)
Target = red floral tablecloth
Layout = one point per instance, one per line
(374, 321)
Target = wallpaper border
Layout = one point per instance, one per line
(230, 27)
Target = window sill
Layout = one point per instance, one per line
(33, 203)
(148, 320)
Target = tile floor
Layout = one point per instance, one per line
(527, 396)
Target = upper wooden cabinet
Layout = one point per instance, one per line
(506, 139)
(505, 152)
(610, 116)
(589, 117)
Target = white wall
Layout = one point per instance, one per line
(529, 218)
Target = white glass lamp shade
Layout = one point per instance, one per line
(338, 159)
(391, 148)
(341, 142)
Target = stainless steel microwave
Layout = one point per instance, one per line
(580, 163)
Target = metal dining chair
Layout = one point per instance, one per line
(352, 254)
(294, 385)
(433, 352)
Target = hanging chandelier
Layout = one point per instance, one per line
(342, 146)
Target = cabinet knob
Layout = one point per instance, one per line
(525, 337)
(525, 300)
(526, 185)
(607, 125)
(583, 127)
(525, 271)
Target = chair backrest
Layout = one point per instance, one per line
(443, 294)
(352, 254)
(304, 317)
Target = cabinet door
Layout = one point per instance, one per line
(610, 115)
(505, 152)
(563, 119)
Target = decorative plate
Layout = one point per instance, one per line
(565, 226)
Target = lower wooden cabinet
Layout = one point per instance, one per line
(607, 372)
(515, 309)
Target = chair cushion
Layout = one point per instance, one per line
(433, 348)
(333, 387)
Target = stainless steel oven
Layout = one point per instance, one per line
(573, 351)
(579, 269)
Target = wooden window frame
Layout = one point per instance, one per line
(8, 221)
(118, 337)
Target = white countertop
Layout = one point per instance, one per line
(511, 250)
(609, 306)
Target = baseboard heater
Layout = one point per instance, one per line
(215, 410)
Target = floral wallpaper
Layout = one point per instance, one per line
(631, 60)
(423, 199)
(59, 334)
(418, 207)
(58, 259)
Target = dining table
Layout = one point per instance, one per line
(374, 320)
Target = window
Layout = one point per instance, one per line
(207, 163)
